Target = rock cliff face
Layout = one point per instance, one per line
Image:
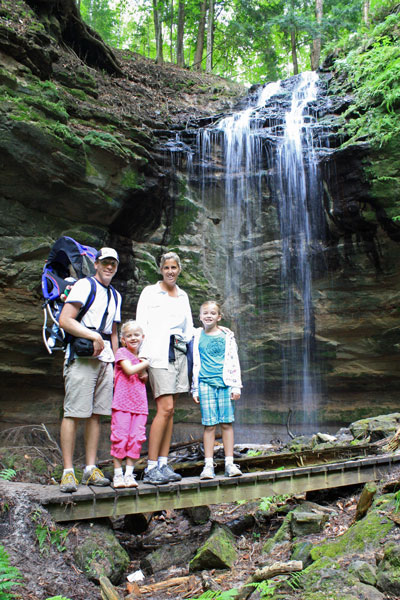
(85, 147)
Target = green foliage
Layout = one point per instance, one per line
(265, 588)
(373, 68)
(58, 598)
(8, 576)
(397, 501)
(270, 501)
(7, 474)
(254, 452)
(48, 534)
(210, 595)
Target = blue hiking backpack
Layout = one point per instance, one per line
(67, 262)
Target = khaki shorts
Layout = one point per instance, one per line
(173, 380)
(88, 388)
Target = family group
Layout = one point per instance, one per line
(154, 349)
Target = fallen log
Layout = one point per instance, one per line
(268, 572)
(365, 500)
(164, 585)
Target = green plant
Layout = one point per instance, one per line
(295, 580)
(58, 598)
(397, 501)
(254, 452)
(8, 576)
(266, 503)
(7, 474)
(48, 534)
(210, 595)
(265, 588)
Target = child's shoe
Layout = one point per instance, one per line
(232, 470)
(130, 481)
(207, 472)
(119, 481)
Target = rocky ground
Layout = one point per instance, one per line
(45, 552)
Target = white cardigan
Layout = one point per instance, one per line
(231, 369)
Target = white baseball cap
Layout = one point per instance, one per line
(107, 253)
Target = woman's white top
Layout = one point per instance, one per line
(160, 316)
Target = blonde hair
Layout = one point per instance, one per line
(130, 324)
(217, 304)
(170, 255)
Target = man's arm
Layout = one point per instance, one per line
(69, 323)
(114, 338)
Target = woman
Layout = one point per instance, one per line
(163, 311)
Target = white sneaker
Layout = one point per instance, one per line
(130, 481)
(207, 472)
(232, 470)
(119, 481)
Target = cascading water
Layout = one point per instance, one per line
(255, 175)
(297, 186)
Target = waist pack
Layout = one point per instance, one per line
(84, 347)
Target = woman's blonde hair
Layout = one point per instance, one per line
(130, 324)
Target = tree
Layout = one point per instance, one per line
(366, 5)
(316, 45)
(198, 55)
(210, 37)
(158, 33)
(180, 59)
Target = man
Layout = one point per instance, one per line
(89, 381)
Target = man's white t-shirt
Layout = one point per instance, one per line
(79, 293)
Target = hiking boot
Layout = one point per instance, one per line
(170, 473)
(94, 477)
(130, 481)
(69, 482)
(118, 481)
(155, 477)
(207, 472)
(232, 470)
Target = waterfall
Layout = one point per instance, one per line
(297, 186)
(255, 174)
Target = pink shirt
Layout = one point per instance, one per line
(129, 391)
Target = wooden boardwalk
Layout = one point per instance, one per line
(93, 502)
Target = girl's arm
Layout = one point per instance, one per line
(130, 369)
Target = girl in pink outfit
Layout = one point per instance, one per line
(129, 406)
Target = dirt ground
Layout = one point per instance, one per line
(51, 570)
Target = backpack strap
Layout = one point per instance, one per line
(89, 300)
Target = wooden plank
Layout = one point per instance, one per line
(91, 502)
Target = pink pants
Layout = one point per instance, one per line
(128, 432)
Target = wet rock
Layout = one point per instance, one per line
(242, 523)
(218, 552)
(137, 523)
(305, 523)
(100, 554)
(302, 551)
(388, 572)
(166, 556)
(376, 428)
(364, 571)
(198, 515)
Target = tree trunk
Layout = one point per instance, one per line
(171, 30)
(198, 55)
(294, 52)
(158, 33)
(210, 37)
(76, 34)
(366, 4)
(316, 47)
(180, 59)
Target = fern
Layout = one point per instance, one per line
(7, 474)
(211, 595)
(8, 576)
